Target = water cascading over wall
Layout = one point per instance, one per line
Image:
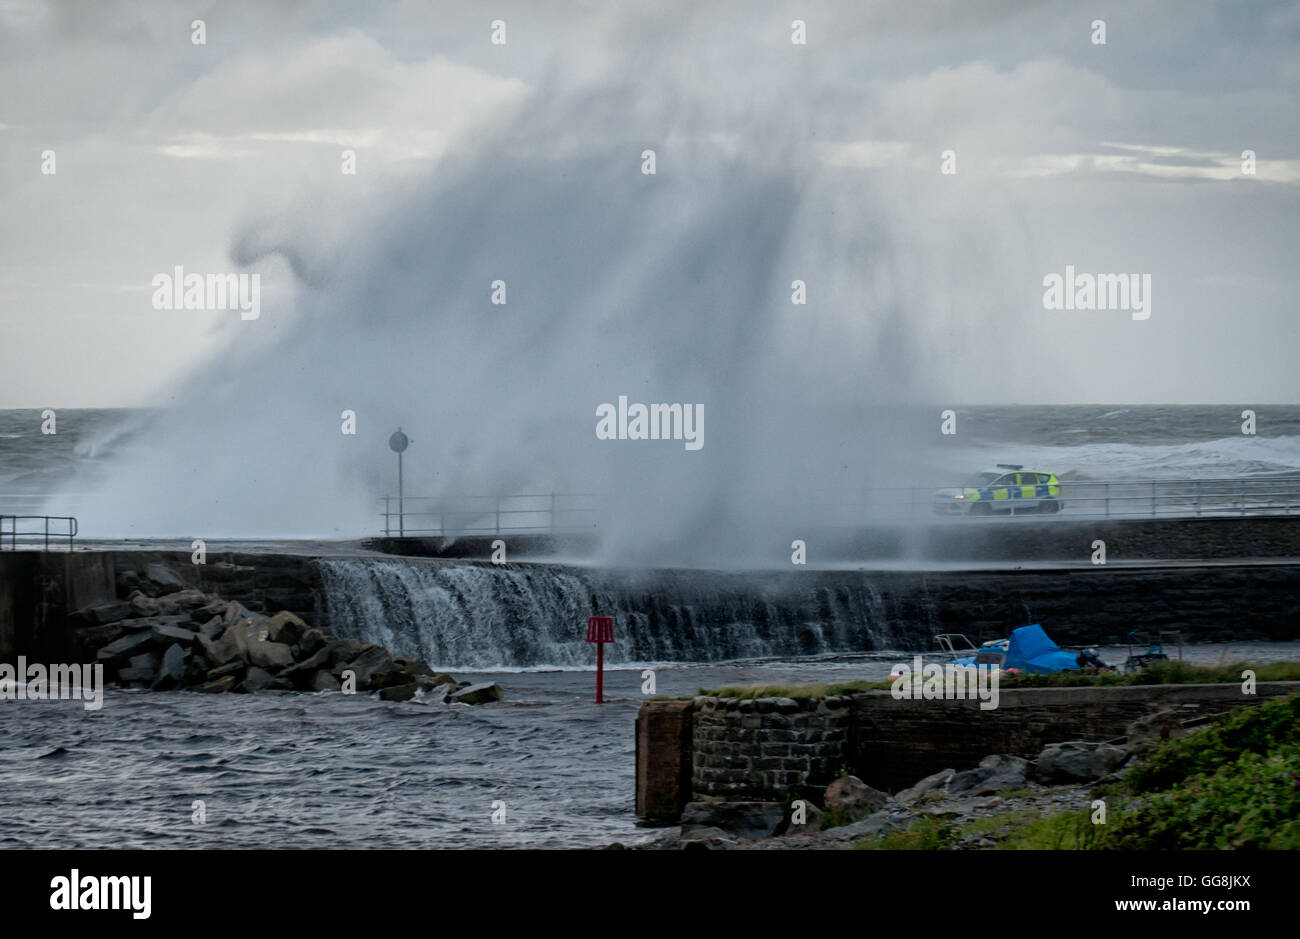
(477, 615)
(473, 615)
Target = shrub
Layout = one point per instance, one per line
(1256, 730)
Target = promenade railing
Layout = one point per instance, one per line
(560, 513)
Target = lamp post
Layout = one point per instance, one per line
(397, 443)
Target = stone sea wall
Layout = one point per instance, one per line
(769, 749)
(746, 748)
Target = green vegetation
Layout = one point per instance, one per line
(1160, 673)
(1252, 802)
(923, 834)
(1256, 730)
(1234, 784)
(1064, 831)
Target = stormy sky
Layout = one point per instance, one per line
(225, 157)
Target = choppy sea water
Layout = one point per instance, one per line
(1074, 441)
(335, 771)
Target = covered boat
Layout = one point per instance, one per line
(1030, 650)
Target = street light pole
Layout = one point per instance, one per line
(398, 442)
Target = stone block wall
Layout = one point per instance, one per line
(764, 748)
(767, 749)
(897, 742)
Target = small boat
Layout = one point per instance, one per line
(1028, 649)
(965, 654)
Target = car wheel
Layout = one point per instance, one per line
(1051, 506)
(981, 508)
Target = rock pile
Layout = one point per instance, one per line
(1060, 779)
(165, 634)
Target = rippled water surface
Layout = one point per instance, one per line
(329, 771)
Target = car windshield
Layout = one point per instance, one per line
(984, 479)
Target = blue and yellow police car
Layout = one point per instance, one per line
(1008, 489)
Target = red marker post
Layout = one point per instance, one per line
(600, 630)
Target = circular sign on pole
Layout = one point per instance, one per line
(398, 442)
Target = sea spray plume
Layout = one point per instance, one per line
(672, 287)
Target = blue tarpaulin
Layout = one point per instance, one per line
(1031, 651)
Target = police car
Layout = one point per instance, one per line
(1008, 489)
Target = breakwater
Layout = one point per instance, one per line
(475, 614)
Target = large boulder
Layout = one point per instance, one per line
(286, 628)
(412, 666)
(231, 647)
(705, 838)
(374, 668)
(917, 790)
(318, 659)
(224, 683)
(742, 819)
(343, 651)
(171, 671)
(300, 673)
(478, 694)
(212, 628)
(257, 679)
(235, 611)
(182, 601)
(166, 633)
(1146, 732)
(272, 656)
(214, 607)
(236, 668)
(312, 641)
(117, 652)
(94, 638)
(144, 667)
(812, 819)
(399, 692)
(851, 799)
(255, 623)
(163, 579)
(321, 680)
(144, 605)
(995, 773)
(1078, 761)
(127, 581)
(101, 613)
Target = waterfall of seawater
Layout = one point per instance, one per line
(471, 615)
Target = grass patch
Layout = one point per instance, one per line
(923, 834)
(1161, 673)
(1017, 793)
(997, 824)
(1064, 831)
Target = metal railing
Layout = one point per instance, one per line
(37, 533)
(549, 513)
(851, 508)
(1126, 498)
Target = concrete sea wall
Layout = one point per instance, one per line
(767, 749)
